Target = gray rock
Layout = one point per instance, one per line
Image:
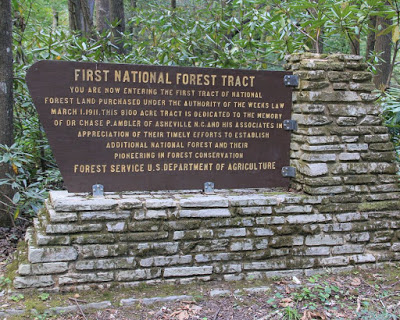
(156, 214)
(156, 248)
(147, 301)
(233, 232)
(204, 202)
(187, 271)
(56, 217)
(346, 156)
(357, 147)
(260, 232)
(308, 218)
(270, 220)
(257, 290)
(73, 228)
(129, 202)
(314, 169)
(51, 254)
(243, 245)
(317, 251)
(64, 201)
(294, 209)
(75, 309)
(48, 268)
(165, 261)
(221, 256)
(160, 203)
(348, 248)
(138, 274)
(43, 240)
(116, 226)
(75, 278)
(228, 268)
(100, 250)
(106, 264)
(255, 210)
(335, 261)
(33, 282)
(205, 213)
(360, 237)
(351, 216)
(328, 157)
(219, 293)
(104, 215)
(320, 240)
(251, 200)
(363, 258)
(12, 312)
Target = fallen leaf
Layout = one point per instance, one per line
(285, 302)
(356, 282)
(184, 315)
(313, 315)
(195, 309)
(15, 168)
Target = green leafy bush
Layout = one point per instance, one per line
(390, 102)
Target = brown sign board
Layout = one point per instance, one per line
(138, 127)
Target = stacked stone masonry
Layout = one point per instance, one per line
(344, 212)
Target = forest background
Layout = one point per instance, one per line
(246, 34)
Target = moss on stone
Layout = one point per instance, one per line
(34, 306)
(282, 242)
(20, 256)
(379, 206)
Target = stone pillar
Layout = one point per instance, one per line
(341, 148)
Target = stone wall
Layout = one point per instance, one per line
(345, 211)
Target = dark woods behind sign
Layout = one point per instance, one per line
(136, 127)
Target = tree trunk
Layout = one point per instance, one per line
(318, 44)
(55, 18)
(6, 97)
(370, 37)
(75, 15)
(81, 15)
(87, 7)
(102, 15)
(117, 13)
(383, 45)
(173, 4)
(131, 15)
(355, 44)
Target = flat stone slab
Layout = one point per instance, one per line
(219, 293)
(132, 301)
(75, 309)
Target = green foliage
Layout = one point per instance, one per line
(390, 102)
(44, 296)
(290, 313)
(41, 316)
(4, 282)
(17, 297)
(370, 315)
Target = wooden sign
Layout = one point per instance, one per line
(137, 127)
